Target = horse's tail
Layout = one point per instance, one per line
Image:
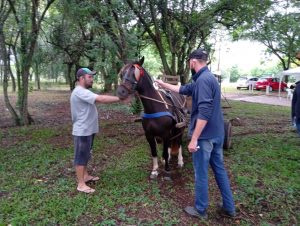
(174, 147)
(176, 140)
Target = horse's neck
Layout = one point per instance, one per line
(150, 105)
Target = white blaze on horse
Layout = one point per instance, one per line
(164, 113)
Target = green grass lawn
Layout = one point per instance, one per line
(266, 162)
(37, 185)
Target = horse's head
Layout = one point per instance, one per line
(130, 75)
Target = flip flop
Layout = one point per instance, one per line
(86, 190)
(92, 179)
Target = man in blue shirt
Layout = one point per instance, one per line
(206, 131)
(296, 106)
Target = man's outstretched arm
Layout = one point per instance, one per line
(168, 86)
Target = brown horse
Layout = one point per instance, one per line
(164, 113)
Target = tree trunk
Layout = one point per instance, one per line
(4, 57)
(13, 80)
(37, 76)
(69, 77)
(29, 31)
(17, 65)
(26, 119)
(107, 80)
(1, 74)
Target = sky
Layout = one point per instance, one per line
(245, 54)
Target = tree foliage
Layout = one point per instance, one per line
(276, 26)
(176, 28)
(52, 39)
(234, 73)
(27, 16)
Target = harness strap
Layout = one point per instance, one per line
(178, 111)
(149, 98)
(163, 99)
(163, 102)
(157, 114)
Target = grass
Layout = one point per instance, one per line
(37, 185)
(266, 162)
(36, 182)
(270, 177)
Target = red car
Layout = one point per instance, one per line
(273, 84)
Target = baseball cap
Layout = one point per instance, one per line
(198, 54)
(83, 71)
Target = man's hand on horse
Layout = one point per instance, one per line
(126, 100)
(159, 83)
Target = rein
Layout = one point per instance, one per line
(163, 102)
(176, 135)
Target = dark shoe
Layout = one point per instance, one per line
(225, 213)
(193, 212)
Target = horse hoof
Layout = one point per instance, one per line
(167, 178)
(168, 170)
(180, 166)
(153, 175)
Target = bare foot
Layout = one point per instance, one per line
(90, 178)
(85, 189)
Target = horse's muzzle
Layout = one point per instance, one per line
(122, 92)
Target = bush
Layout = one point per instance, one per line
(136, 106)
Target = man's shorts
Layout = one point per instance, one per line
(82, 149)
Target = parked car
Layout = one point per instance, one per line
(244, 82)
(273, 84)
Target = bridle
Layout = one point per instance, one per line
(138, 74)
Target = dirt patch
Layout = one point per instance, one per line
(55, 111)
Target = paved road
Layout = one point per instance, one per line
(272, 99)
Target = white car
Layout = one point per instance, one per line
(246, 83)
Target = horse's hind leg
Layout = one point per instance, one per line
(180, 157)
(166, 155)
(152, 142)
(176, 149)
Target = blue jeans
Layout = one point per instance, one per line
(298, 125)
(211, 152)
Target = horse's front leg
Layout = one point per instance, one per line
(152, 142)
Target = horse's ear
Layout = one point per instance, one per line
(141, 61)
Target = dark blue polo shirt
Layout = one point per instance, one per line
(296, 101)
(206, 97)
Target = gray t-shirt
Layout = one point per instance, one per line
(84, 112)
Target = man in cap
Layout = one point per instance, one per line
(296, 106)
(85, 124)
(206, 131)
